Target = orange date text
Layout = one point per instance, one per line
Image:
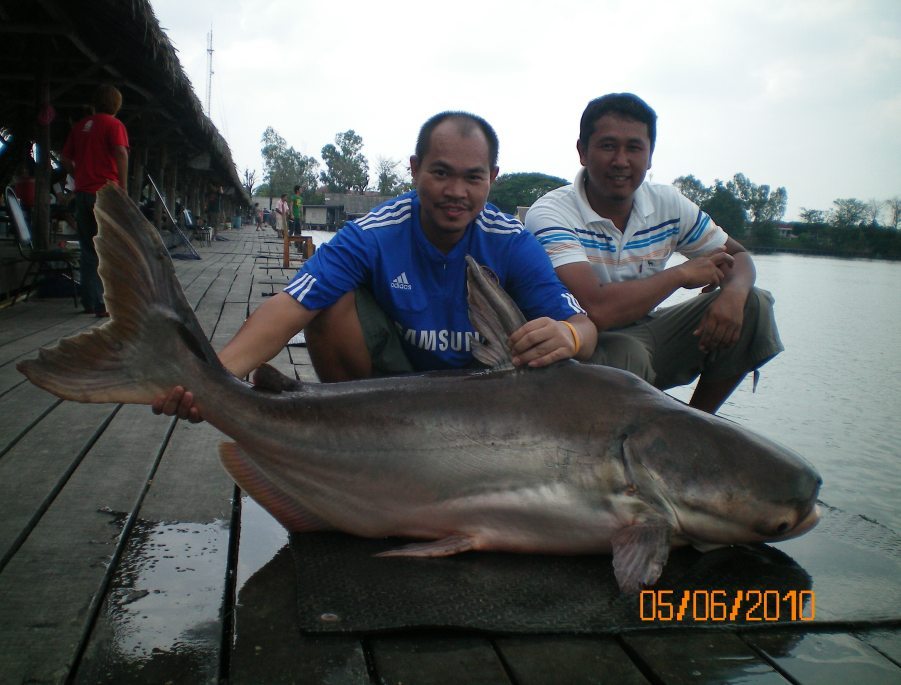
(717, 606)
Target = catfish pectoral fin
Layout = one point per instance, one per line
(266, 493)
(639, 553)
(445, 547)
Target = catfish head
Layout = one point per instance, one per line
(721, 483)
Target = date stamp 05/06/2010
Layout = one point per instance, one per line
(718, 606)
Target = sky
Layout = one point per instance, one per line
(803, 94)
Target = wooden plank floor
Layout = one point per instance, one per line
(128, 556)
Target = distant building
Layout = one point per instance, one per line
(341, 207)
(338, 208)
(786, 231)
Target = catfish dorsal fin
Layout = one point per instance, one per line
(494, 315)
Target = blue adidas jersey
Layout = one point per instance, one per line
(422, 290)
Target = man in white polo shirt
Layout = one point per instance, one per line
(609, 236)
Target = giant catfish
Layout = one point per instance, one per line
(568, 459)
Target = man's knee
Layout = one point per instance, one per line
(336, 344)
(335, 316)
(624, 352)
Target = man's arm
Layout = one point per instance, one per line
(120, 154)
(261, 337)
(723, 319)
(612, 305)
(543, 341)
(68, 164)
(265, 333)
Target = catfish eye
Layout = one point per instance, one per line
(782, 527)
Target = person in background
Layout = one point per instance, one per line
(387, 295)
(296, 211)
(258, 216)
(63, 198)
(95, 153)
(282, 211)
(609, 236)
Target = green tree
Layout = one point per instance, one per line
(521, 189)
(390, 181)
(873, 210)
(893, 206)
(284, 167)
(813, 216)
(694, 190)
(762, 205)
(726, 210)
(346, 168)
(847, 213)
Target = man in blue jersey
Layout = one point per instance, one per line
(609, 236)
(388, 293)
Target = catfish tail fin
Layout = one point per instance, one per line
(152, 335)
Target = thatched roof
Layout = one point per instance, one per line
(78, 44)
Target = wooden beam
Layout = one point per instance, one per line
(40, 216)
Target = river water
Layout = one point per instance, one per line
(834, 394)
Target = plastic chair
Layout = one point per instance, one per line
(40, 262)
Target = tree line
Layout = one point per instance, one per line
(346, 169)
(752, 213)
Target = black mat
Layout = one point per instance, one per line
(846, 571)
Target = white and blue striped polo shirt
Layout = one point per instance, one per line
(663, 221)
(421, 289)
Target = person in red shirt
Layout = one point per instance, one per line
(95, 153)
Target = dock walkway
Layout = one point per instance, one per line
(128, 556)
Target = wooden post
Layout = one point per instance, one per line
(40, 215)
(172, 176)
(161, 184)
(138, 159)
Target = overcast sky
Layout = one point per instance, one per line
(804, 94)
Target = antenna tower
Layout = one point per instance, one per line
(209, 70)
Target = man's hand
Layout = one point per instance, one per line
(177, 403)
(707, 271)
(541, 342)
(721, 324)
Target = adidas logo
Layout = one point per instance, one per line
(401, 282)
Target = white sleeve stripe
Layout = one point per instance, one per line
(574, 303)
(299, 288)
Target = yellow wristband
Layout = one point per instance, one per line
(577, 341)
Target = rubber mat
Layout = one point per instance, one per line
(845, 571)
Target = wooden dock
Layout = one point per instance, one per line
(128, 556)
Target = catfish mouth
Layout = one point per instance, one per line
(806, 522)
(704, 528)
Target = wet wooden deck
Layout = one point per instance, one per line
(128, 556)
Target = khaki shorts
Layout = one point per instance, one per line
(381, 336)
(661, 349)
